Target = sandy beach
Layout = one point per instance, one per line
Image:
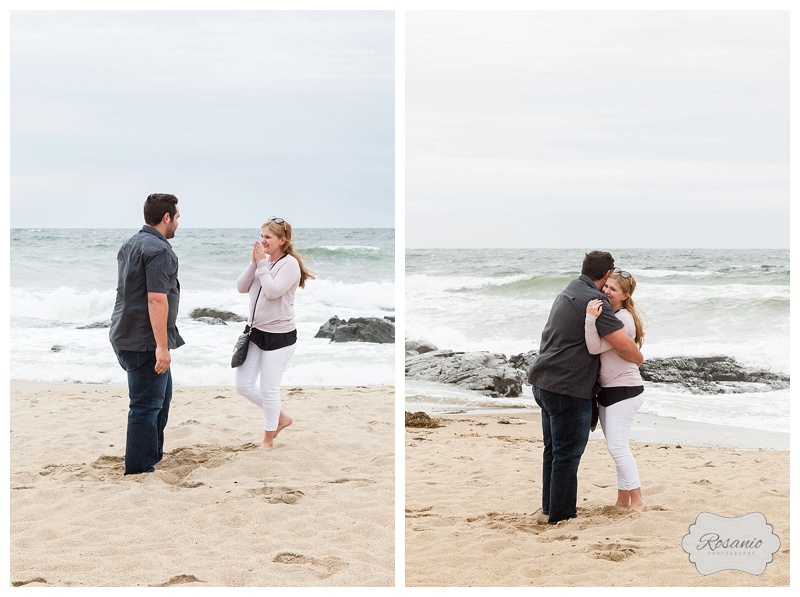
(473, 496)
(318, 510)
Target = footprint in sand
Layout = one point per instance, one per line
(565, 538)
(51, 469)
(422, 512)
(323, 568)
(614, 552)
(179, 464)
(279, 495)
(174, 469)
(22, 583)
(181, 579)
(511, 523)
(356, 482)
(109, 463)
(610, 511)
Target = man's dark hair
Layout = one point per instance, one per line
(158, 204)
(596, 264)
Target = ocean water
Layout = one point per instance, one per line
(64, 279)
(694, 303)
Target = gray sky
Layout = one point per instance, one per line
(243, 115)
(597, 129)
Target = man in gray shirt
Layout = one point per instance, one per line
(563, 378)
(143, 329)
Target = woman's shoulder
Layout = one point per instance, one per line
(288, 263)
(284, 260)
(291, 261)
(624, 315)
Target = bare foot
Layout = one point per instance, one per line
(268, 437)
(624, 498)
(283, 422)
(637, 503)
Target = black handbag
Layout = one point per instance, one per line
(240, 348)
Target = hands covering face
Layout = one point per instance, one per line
(259, 252)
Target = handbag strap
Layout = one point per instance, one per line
(253, 318)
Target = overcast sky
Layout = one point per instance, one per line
(597, 129)
(242, 115)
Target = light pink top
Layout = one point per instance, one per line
(278, 282)
(614, 370)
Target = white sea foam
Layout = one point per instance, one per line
(349, 248)
(47, 311)
(693, 302)
(665, 273)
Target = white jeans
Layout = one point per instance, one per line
(616, 421)
(270, 365)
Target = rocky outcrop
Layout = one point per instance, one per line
(496, 375)
(211, 320)
(419, 347)
(712, 375)
(216, 316)
(95, 325)
(523, 361)
(483, 372)
(358, 329)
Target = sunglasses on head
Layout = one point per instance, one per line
(621, 272)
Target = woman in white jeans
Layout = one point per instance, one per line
(622, 386)
(274, 274)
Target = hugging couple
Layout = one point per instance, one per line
(588, 363)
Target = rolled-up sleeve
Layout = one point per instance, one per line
(160, 271)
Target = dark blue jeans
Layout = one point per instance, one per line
(150, 396)
(565, 429)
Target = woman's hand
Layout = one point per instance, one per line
(259, 252)
(594, 307)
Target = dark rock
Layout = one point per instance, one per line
(419, 347)
(483, 372)
(56, 348)
(95, 325)
(211, 320)
(523, 361)
(326, 329)
(712, 375)
(358, 329)
(496, 375)
(216, 314)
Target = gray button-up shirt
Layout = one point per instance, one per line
(146, 263)
(564, 364)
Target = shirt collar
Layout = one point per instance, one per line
(149, 229)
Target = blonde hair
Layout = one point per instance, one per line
(628, 285)
(284, 230)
